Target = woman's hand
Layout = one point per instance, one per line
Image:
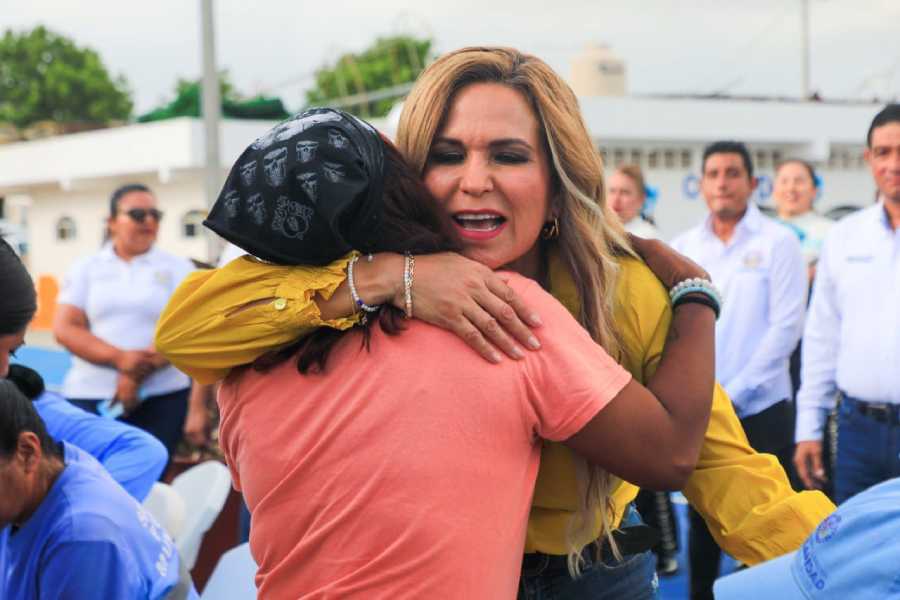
(469, 299)
(138, 364)
(126, 392)
(196, 426)
(669, 266)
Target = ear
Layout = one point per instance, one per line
(28, 451)
(867, 155)
(754, 182)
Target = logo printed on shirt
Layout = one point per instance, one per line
(753, 259)
(826, 530)
(163, 278)
(860, 258)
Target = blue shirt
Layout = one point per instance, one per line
(761, 273)
(852, 336)
(87, 539)
(133, 457)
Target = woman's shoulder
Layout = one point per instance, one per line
(637, 287)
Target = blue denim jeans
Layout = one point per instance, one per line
(634, 577)
(868, 451)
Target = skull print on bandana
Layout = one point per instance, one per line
(306, 192)
(256, 206)
(274, 165)
(336, 138)
(232, 203)
(248, 174)
(309, 184)
(291, 218)
(333, 172)
(306, 151)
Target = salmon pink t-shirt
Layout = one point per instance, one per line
(406, 471)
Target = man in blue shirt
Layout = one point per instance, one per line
(133, 457)
(68, 530)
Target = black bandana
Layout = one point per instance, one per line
(306, 192)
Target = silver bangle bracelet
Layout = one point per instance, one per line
(409, 270)
(353, 293)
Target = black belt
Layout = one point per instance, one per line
(630, 540)
(883, 412)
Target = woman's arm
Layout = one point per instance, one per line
(219, 319)
(671, 414)
(71, 329)
(652, 436)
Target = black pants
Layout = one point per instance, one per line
(161, 416)
(770, 431)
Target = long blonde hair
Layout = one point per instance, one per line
(590, 237)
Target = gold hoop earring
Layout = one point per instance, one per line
(550, 230)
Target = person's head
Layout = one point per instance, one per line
(795, 188)
(727, 180)
(133, 221)
(626, 192)
(18, 303)
(498, 131)
(29, 457)
(883, 152)
(499, 139)
(317, 186)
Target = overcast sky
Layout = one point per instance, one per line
(670, 46)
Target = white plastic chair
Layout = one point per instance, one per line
(233, 577)
(204, 489)
(167, 507)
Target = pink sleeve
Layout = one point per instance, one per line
(571, 378)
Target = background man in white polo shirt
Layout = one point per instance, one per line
(758, 265)
(852, 339)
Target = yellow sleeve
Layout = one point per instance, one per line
(206, 329)
(744, 496)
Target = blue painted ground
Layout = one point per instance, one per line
(53, 364)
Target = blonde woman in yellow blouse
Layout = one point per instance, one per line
(221, 319)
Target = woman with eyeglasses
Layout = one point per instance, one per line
(108, 308)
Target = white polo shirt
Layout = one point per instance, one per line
(762, 275)
(852, 336)
(122, 301)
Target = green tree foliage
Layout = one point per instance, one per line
(188, 102)
(389, 62)
(44, 76)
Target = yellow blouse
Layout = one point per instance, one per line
(744, 496)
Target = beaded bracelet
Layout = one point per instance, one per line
(409, 270)
(697, 299)
(695, 285)
(353, 293)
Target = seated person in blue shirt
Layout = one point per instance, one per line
(133, 457)
(67, 530)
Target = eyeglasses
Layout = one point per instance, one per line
(140, 214)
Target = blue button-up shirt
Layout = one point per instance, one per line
(761, 273)
(852, 337)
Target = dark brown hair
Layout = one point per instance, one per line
(18, 302)
(412, 221)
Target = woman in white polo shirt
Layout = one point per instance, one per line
(107, 314)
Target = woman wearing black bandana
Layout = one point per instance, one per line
(374, 460)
